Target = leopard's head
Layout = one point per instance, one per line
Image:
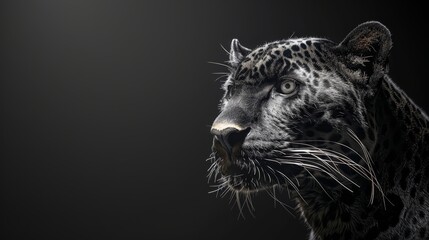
(295, 110)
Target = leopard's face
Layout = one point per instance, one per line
(288, 114)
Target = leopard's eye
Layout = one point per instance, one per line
(288, 87)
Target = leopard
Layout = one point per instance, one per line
(325, 122)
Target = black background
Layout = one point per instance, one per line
(106, 108)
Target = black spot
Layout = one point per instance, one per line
(421, 214)
(317, 45)
(388, 217)
(324, 97)
(312, 90)
(422, 232)
(409, 214)
(318, 114)
(359, 227)
(360, 132)
(397, 136)
(411, 136)
(277, 52)
(269, 62)
(316, 223)
(417, 166)
(317, 67)
(407, 109)
(316, 82)
(337, 112)
(295, 48)
(403, 182)
(318, 54)
(332, 236)
(347, 197)
(327, 182)
(383, 129)
(308, 124)
(287, 53)
(316, 75)
(413, 192)
(399, 115)
(278, 64)
(331, 214)
(255, 75)
(262, 70)
(417, 178)
(308, 42)
(324, 127)
(303, 45)
(344, 147)
(307, 69)
(326, 83)
(407, 233)
(306, 54)
(309, 133)
(421, 200)
(364, 214)
(294, 66)
(347, 235)
(408, 153)
(371, 135)
(426, 172)
(354, 156)
(307, 98)
(335, 137)
(372, 233)
(386, 143)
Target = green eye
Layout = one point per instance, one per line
(288, 87)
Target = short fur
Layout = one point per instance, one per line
(350, 145)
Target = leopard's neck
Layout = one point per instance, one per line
(401, 135)
(401, 139)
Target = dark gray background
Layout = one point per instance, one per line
(106, 108)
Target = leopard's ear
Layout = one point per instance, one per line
(365, 50)
(237, 52)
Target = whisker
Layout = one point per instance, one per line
(369, 162)
(317, 181)
(225, 49)
(282, 204)
(293, 185)
(222, 64)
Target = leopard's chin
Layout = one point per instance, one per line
(244, 175)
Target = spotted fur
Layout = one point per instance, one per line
(350, 145)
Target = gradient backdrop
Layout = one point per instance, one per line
(106, 108)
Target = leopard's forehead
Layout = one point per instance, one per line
(276, 59)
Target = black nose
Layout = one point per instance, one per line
(230, 137)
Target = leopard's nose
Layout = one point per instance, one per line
(230, 137)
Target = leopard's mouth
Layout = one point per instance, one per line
(248, 173)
